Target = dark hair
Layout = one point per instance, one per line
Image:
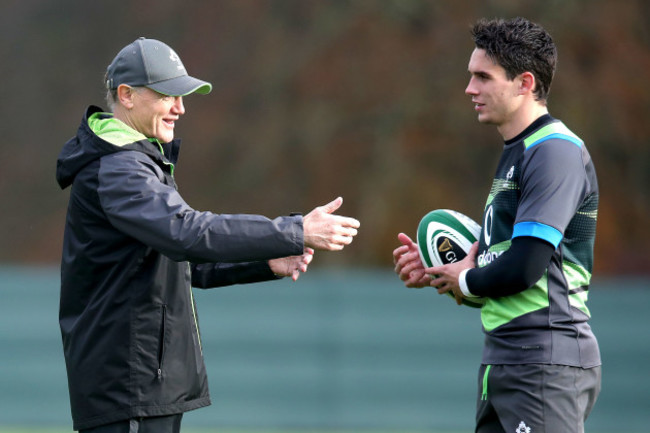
(518, 46)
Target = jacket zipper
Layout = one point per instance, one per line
(161, 344)
(196, 322)
(167, 163)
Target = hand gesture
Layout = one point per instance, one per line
(325, 231)
(292, 266)
(445, 277)
(408, 264)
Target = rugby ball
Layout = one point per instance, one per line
(445, 236)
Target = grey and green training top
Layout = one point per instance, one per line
(545, 187)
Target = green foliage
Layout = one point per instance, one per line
(316, 99)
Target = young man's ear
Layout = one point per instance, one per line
(125, 95)
(527, 83)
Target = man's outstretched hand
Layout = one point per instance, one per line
(323, 230)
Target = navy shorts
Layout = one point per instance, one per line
(535, 398)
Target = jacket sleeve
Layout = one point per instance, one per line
(208, 275)
(137, 202)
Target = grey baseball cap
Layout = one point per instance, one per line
(153, 64)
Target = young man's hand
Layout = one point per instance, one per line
(408, 264)
(445, 277)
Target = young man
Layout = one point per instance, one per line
(541, 363)
(133, 248)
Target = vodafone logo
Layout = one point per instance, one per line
(487, 225)
(487, 257)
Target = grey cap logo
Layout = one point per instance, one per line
(174, 58)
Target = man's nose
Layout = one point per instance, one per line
(179, 108)
(471, 88)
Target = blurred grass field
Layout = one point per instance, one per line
(343, 352)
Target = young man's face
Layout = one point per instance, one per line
(154, 114)
(494, 96)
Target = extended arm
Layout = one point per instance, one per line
(138, 203)
(208, 275)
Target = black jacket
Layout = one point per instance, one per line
(132, 249)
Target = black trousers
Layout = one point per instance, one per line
(160, 424)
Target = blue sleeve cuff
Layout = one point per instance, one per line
(538, 230)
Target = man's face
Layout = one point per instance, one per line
(494, 96)
(154, 114)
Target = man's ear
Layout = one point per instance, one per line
(125, 95)
(527, 83)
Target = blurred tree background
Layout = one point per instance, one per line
(313, 99)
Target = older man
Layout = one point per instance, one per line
(133, 248)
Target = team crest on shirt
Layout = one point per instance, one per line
(523, 428)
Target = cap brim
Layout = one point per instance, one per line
(181, 86)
